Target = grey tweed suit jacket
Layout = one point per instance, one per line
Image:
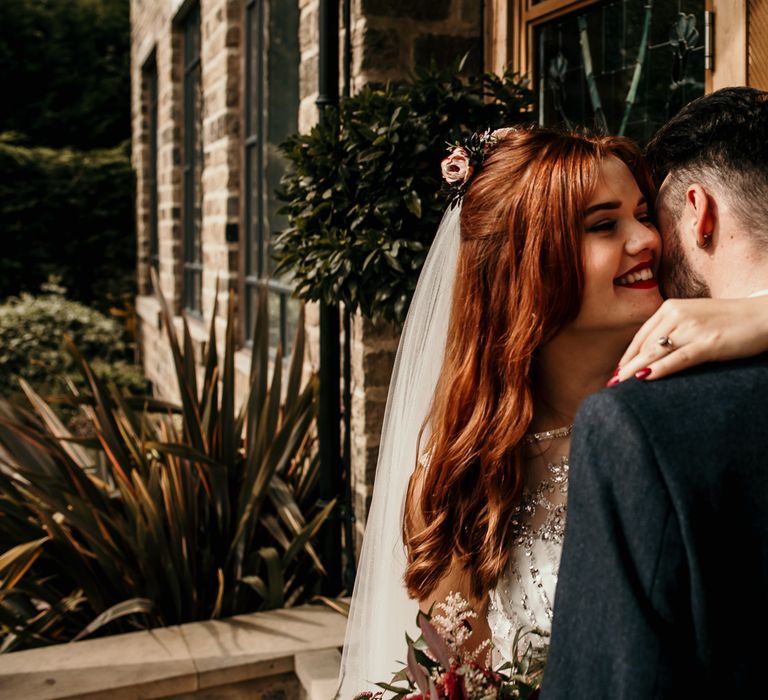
(663, 584)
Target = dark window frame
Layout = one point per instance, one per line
(149, 80)
(192, 266)
(253, 146)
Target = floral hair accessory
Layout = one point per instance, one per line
(467, 158)
(456, 167)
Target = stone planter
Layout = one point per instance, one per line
(275, 655)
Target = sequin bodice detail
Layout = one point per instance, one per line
(525, 594)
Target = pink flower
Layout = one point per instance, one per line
(456, 167)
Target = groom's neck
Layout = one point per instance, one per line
(741, 284)
(736, 265)
(738, 273)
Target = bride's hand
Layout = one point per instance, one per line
(698, 330)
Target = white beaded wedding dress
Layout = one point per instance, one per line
(524, 597)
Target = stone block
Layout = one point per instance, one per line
(377, 366)
(140, 664)
(284, 686)
(308, 75)
(444, 50)
(472, 14)
(318, 672)
(374, 417)
(382, 49)
(422, 10)
(242, 647)
(308, 30)
(371, 460)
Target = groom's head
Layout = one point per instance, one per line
(710, 163)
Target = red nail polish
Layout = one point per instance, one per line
(613, 381)
(643, 373)
(616, 371)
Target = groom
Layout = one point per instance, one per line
(663, 586)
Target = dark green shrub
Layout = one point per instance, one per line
(69, 214)
(32, 347)
(68, 62)
(363, 195)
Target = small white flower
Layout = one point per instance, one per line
(501, 134)
(452, 623)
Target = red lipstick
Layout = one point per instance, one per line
(636, 268)
(639, 284)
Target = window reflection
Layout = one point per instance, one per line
(271, 115)
(621, 67)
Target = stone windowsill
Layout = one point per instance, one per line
(183, 658)
(148, 310)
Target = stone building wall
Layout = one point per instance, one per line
(151, 33)
(389, 39)
(392, 37)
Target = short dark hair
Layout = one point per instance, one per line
(721, 140)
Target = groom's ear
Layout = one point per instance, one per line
(702, 214)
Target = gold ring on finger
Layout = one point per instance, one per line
(665, 342)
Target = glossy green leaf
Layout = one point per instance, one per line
(127, 607)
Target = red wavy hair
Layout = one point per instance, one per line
(519, 281)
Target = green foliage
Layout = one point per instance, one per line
(363, 195)
(173, 513)
(69, 214)
(66, 68)
(32, 347)
(65, 65)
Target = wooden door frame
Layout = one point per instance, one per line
(509, 27)
(731, 34)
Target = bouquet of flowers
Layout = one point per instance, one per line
(439, 667)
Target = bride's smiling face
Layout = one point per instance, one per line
(621, 250)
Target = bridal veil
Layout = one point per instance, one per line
(381, 611)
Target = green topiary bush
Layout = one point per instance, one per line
(363, 195)
(32, 347)
(69, 65)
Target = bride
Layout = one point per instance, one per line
(537, 281)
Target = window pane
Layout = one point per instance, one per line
(250, 69)
(251, 304)
(192, 36)
(292, 306)
(195, 289)
(587, 65)
(272, 103)
(197, 145)
(256, 211)
(282, 102)
(193, 163)
(150, 82)
(275, 319)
